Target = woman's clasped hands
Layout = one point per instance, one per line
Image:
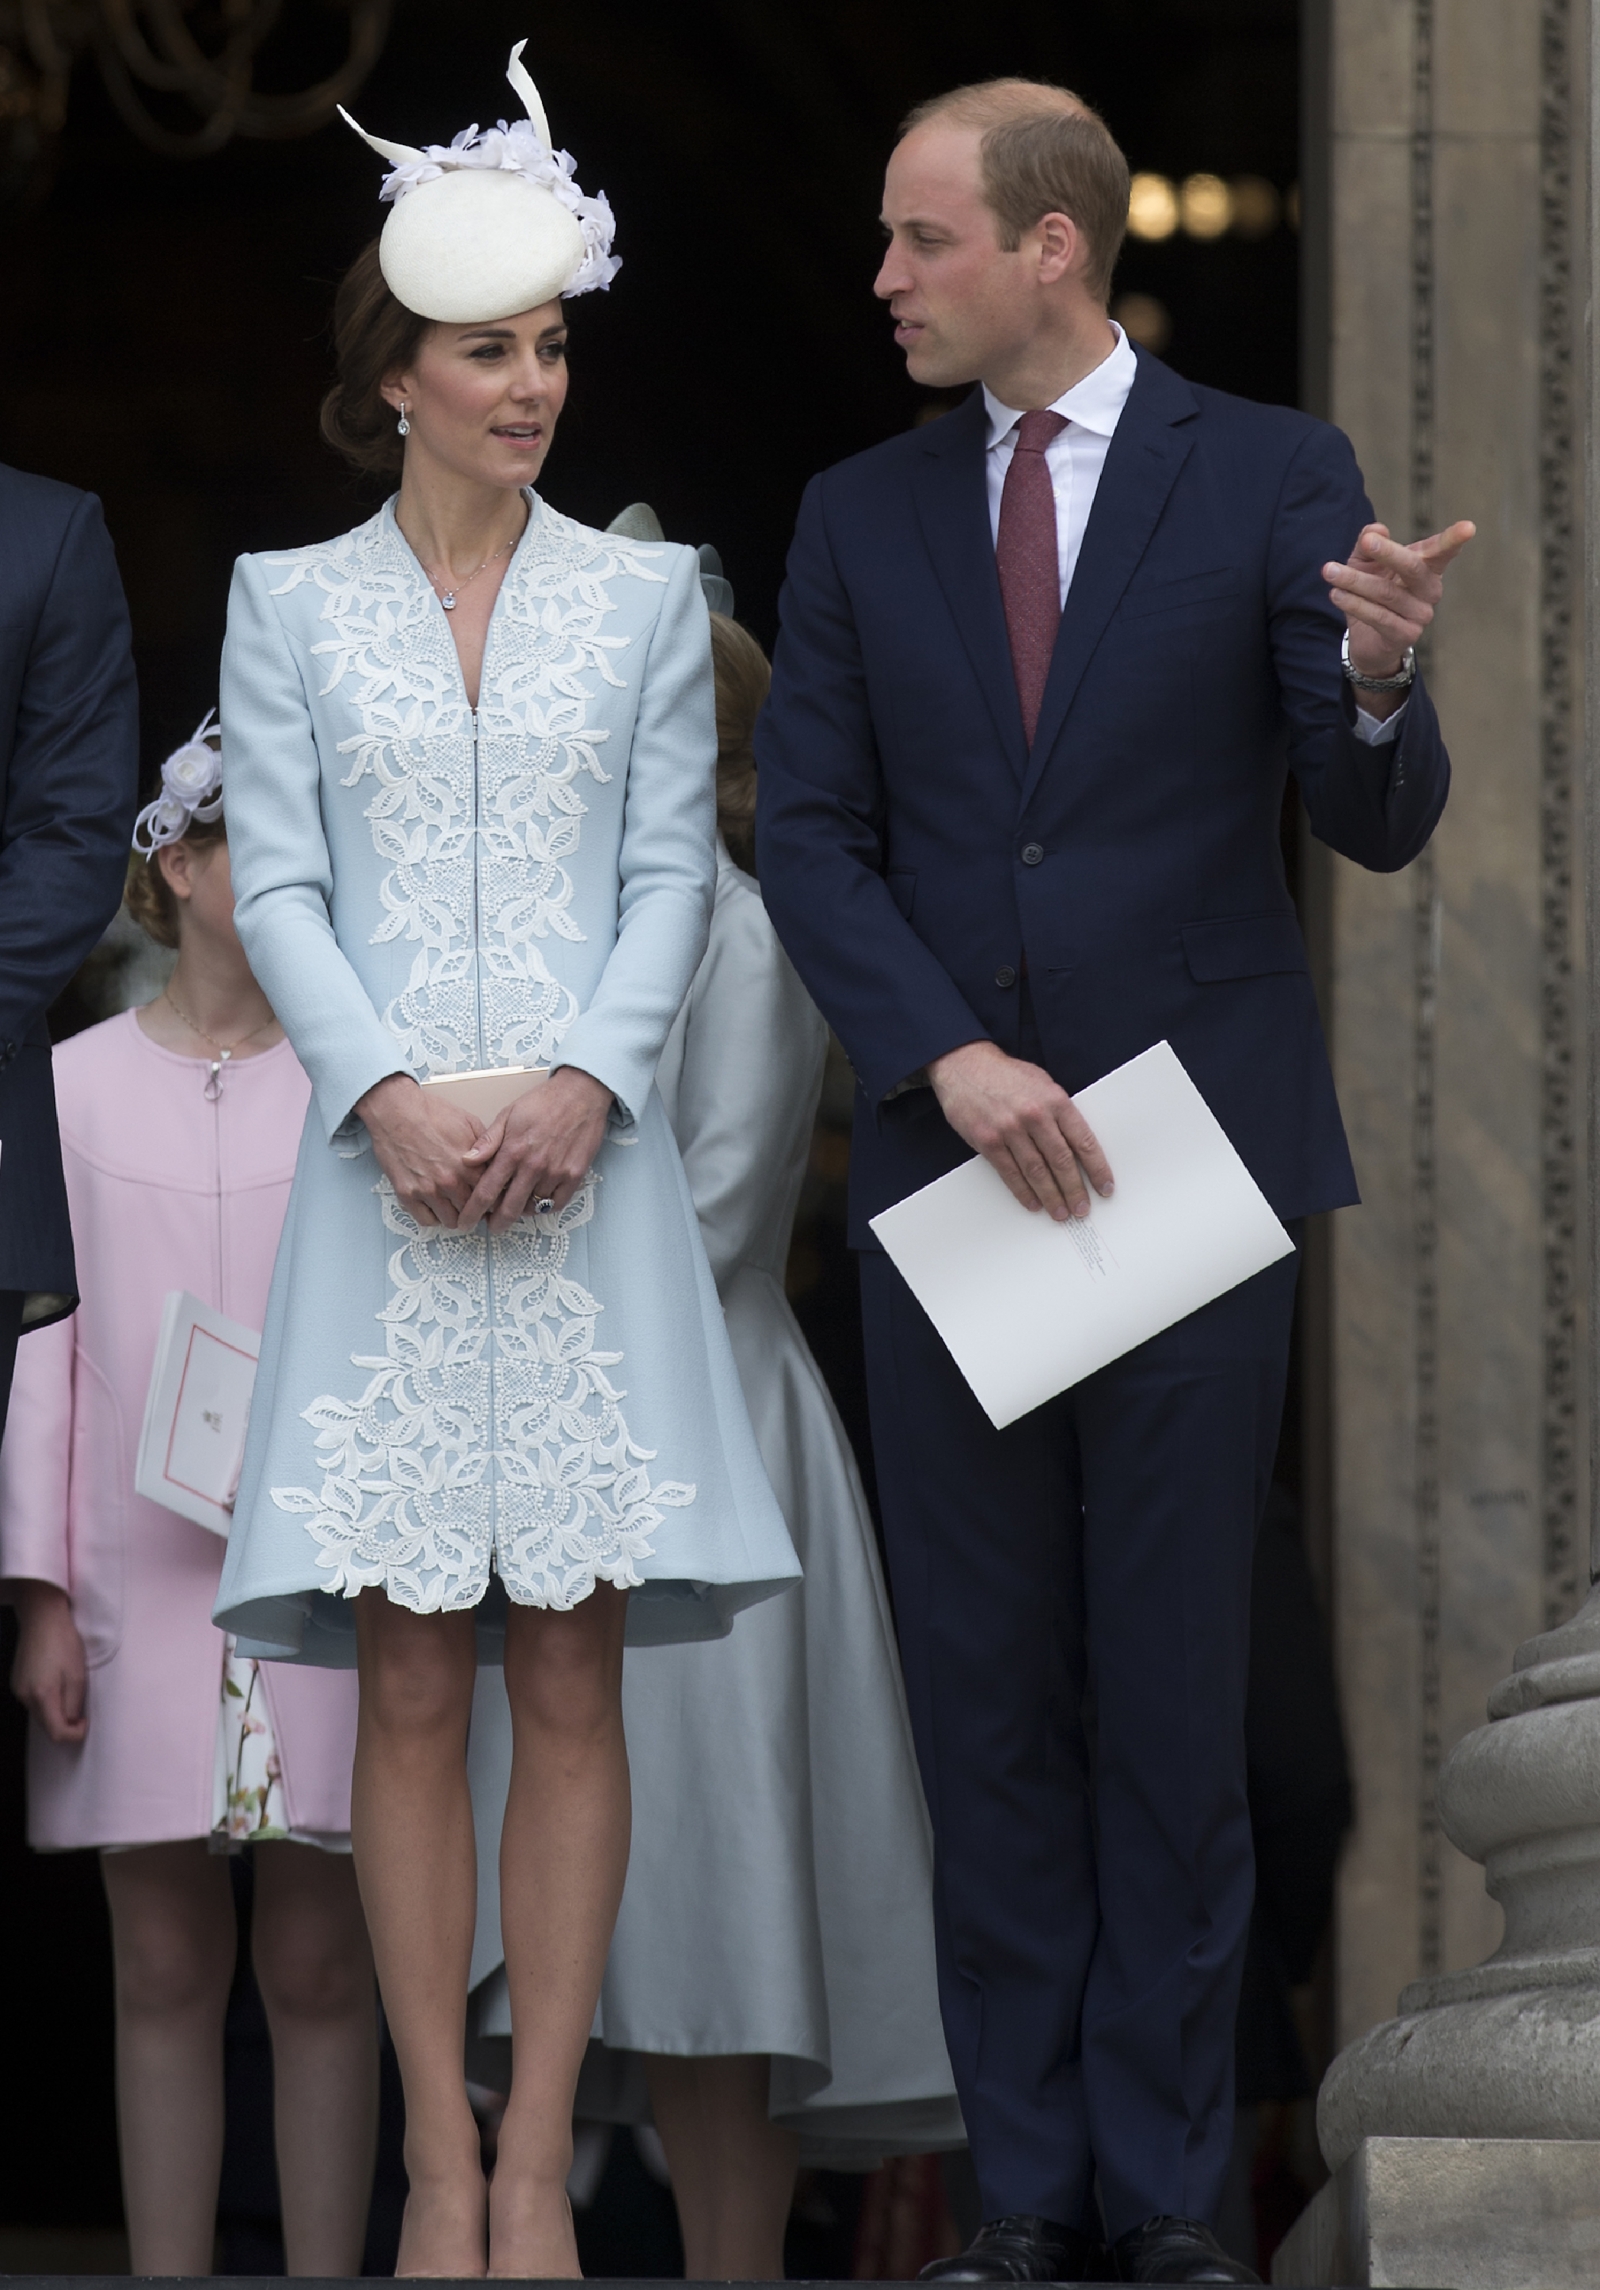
(448, 1169)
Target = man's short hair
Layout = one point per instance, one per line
(1044, 152)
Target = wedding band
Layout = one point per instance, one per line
(543, 1208)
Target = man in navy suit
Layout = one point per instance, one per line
(1042, 668)
(69, 778)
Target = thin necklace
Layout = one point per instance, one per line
(447, 596)
(224, 1050)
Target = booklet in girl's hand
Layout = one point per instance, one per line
(1029, 1307)
(196, 1412)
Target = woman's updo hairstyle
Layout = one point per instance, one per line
(373, 334)
(148, 895)
(743, 679)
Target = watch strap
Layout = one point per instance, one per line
(1400, 683)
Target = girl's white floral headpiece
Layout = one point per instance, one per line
(490, 224)
(191, 789)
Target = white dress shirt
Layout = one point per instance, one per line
(1075, 457)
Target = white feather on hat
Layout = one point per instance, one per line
(490, 224)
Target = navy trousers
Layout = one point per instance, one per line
(1073, 1603)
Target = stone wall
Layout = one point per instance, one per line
(1456, 1446)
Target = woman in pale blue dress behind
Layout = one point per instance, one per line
(471, 817)
(771, 1997)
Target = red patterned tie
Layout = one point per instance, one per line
(1030, 570)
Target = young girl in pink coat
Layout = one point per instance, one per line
(149, 1738)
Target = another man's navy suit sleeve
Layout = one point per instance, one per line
(819, 835)
(72, 787)
(1375, 805)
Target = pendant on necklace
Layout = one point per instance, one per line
(448, 600)
(214, 1077)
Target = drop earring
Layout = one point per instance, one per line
(402, 425)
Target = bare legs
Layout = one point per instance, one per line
(733, 2169)
(174, 1944)
(563, 1857)
(564, 1853)
(411, 1820)
(313, 1966)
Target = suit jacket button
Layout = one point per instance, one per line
(1032, 853)
(1005, 975)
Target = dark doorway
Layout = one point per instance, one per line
(165, 345)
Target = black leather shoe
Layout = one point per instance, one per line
(1018, 2249)
(1177, 2250)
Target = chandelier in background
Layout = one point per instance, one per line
(180, 72)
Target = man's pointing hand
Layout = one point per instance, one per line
(1388, 592)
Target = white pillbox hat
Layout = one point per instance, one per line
(490, 224)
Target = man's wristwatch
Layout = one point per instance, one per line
(1400, 683)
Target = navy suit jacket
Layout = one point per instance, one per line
(69, 777)
(920, 862)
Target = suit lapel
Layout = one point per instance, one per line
(1151, 445)
(953, 510)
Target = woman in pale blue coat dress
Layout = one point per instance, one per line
(470, 754)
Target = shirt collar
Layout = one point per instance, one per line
(1094, 403)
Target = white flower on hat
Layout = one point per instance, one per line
(504, 225)
(191, 789)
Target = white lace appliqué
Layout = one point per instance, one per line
(408, 1499)
(489, 1431)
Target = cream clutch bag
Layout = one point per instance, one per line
(487, 1091)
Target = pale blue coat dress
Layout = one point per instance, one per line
(457, 1417)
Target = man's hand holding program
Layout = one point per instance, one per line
(1025, 1126)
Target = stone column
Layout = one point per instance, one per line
(1464, 2136)
(1456, 1463)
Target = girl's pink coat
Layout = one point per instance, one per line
(167, 1191)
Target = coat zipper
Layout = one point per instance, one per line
(477, 952)
(480, 1058)
(216, 1178)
